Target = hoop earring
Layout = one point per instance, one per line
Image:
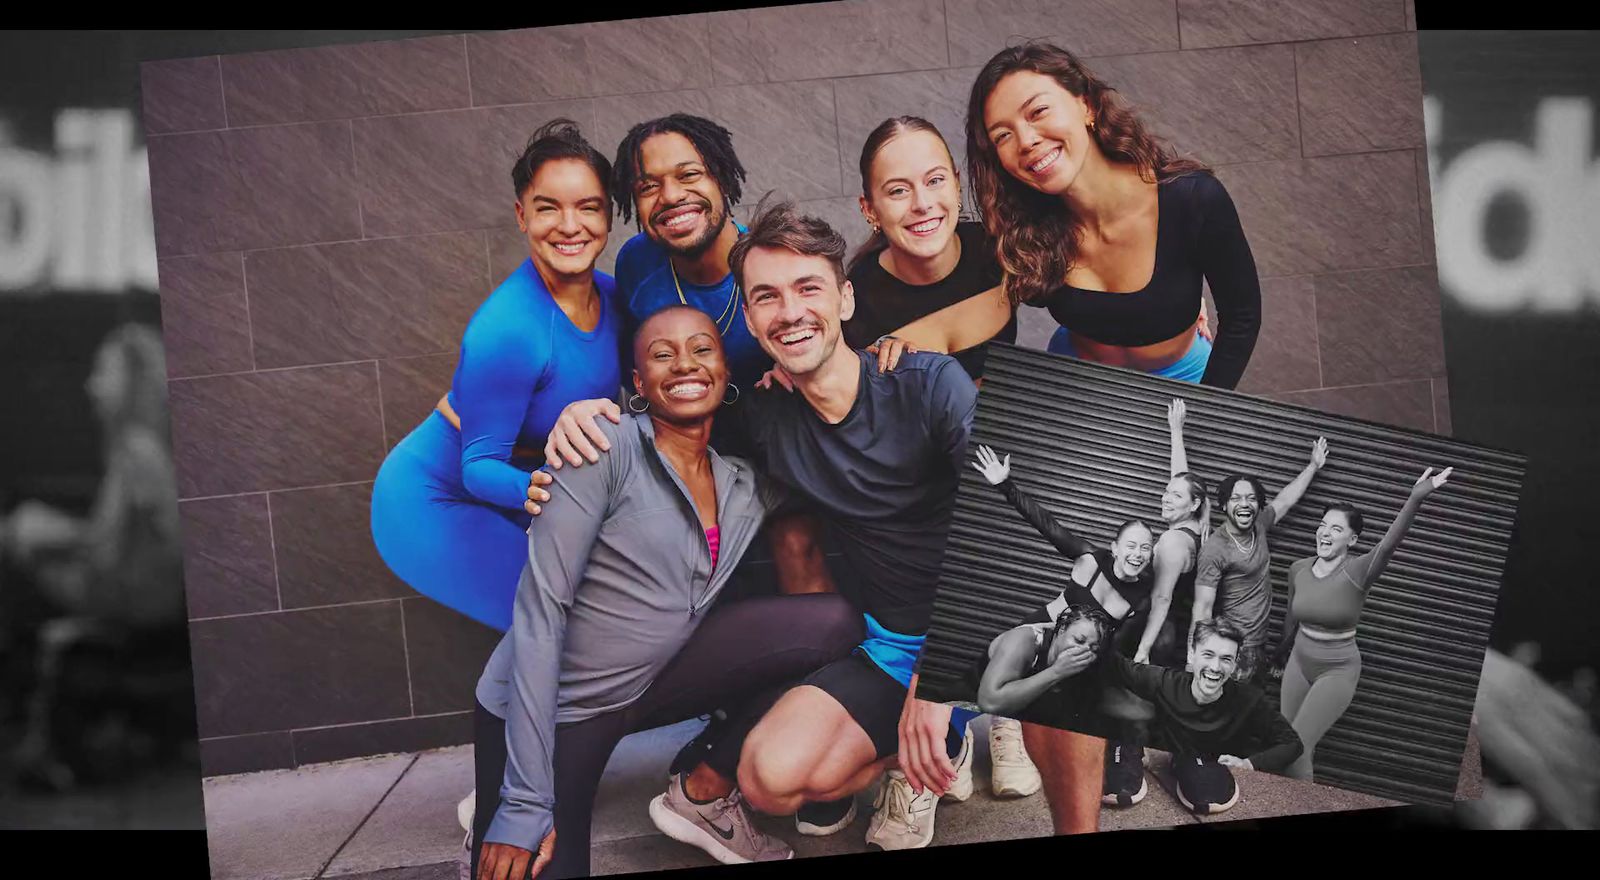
(635, 409)
(735, 389)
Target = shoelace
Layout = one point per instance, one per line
(1008, 746)
(898, 803)
(729, 807)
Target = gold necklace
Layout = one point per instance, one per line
(1241, 546)
(727, 311)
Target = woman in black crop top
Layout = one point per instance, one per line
(1186, 509)
(1098, 221)
(925, 277)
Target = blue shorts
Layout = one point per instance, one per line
(1189, 368)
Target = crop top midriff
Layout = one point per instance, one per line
(1198, 237)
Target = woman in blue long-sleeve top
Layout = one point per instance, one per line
(447, 507)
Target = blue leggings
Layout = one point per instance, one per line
(439, 539)
(1188, 368)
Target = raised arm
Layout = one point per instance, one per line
(1367, 568)
(1005, 690)
(1176, 413)
(1230, 271)
(1285, 500)
(998, 473)
(559, 545)
(1171, 556)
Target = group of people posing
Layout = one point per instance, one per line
(774, 388)
(1159, 640)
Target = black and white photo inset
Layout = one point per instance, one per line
(1125, 552)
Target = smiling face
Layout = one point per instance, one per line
(914, 194)
(681, 206)
(565, 216)
(1242, 505)
(1335, 537)
(1178, 502)
(680, 365)
(1132, 549)
(1214, 660)
(1039, 130)
(794, 307)
(1079, 632)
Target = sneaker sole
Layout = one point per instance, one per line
(1214, 808)
(1113, 800)
(1018, 792)
(811, 830)
(682, 830)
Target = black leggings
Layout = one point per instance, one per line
(743, 656)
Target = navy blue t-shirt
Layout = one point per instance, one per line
(885, 477)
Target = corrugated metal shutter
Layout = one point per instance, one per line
(1091, 443)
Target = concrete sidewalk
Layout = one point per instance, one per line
(394, 817)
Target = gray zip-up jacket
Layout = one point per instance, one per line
(619, 576)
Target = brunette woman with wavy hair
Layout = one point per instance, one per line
(1104, 225)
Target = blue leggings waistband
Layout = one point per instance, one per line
(1189, 368)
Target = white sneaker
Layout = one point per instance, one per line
(904, 819)
(961, 789)
(465, 809)
(1011, 770)
(723, 828)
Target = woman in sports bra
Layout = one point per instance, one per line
(925, 277)
(1326, 594)
(1101, 223)
(1031, 670)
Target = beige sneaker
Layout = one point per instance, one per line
(961, 789)
(723, 828)
(1012, 771)
(903, 818)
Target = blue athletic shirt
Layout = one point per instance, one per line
(644, 277)
(522, 361)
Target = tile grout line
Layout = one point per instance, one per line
(466, 61)
(222, 91)
(322, 871)
(383, 419)
(1299, 119)
(405, 650)
(355, 172)
(272, 541)
(1316, 327)
(267, 491)
(249, 326)
(295, 610)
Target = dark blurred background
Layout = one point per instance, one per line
(1521, 323)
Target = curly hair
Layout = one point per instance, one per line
(1037, 236)
(1102, 623)
(713, 142)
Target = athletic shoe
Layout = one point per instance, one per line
(1012, 773)
(1204, 787)
(903, 818)
(1124, 783)
(822, 818)
(695, 750)
(464, 861)
(464, 810)
(723, 828)
(961, 789)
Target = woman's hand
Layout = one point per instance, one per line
(922, 757)
(1429, 481)
(502, 861)
(1072, 660)
(1319, 453)
(889, 349)
(1142, 657)
(577, 433)
(1177, 411)
(993, 469)
(1202, 325)
(536, 495)
(1235, 763)
(776, 375)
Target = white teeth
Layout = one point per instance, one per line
(796, 336)
(571, 249)
(1045, 162)
(688, 389)
(927, 225)
(681, 219)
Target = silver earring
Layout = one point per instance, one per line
(735, 389)
(637, 409)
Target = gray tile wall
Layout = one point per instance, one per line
(327, 219)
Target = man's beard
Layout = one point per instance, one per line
(717, 219)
